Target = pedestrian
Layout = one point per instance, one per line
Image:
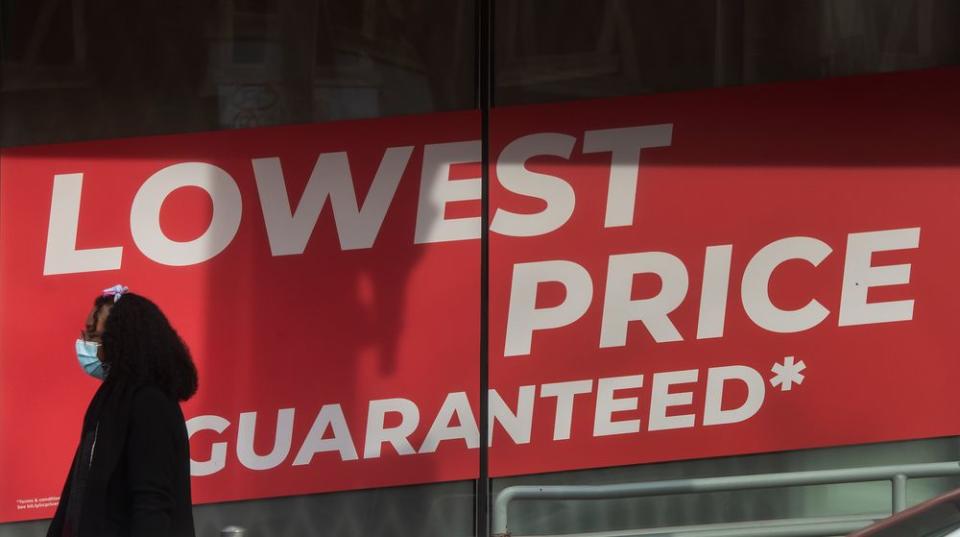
(130, 476)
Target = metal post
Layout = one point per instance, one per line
(484, 44)
(899, 492)
(233, 531)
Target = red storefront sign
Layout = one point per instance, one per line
(674, 276)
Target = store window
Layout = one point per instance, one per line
(726, 110)
(75, 71)
(747, 111)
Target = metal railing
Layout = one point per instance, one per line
(896, 475)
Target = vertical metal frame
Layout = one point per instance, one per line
(484, 92)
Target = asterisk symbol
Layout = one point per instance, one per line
(787, 373)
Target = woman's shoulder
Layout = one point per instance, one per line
(154, 417)
(151, 400)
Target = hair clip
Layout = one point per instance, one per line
(116, 292)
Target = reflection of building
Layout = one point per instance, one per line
(74, 70)
(278, 61)
(252, 62)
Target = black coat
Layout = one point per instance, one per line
(130, 476)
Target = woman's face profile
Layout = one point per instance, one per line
(93, 328)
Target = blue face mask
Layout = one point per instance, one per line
(87, 356)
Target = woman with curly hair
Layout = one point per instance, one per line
(131, 472)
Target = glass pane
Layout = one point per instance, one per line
(681, 197)
(305, 212)
(818, 501)
(96, 70)
(553, 51)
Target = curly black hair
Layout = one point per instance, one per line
(140, 347)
